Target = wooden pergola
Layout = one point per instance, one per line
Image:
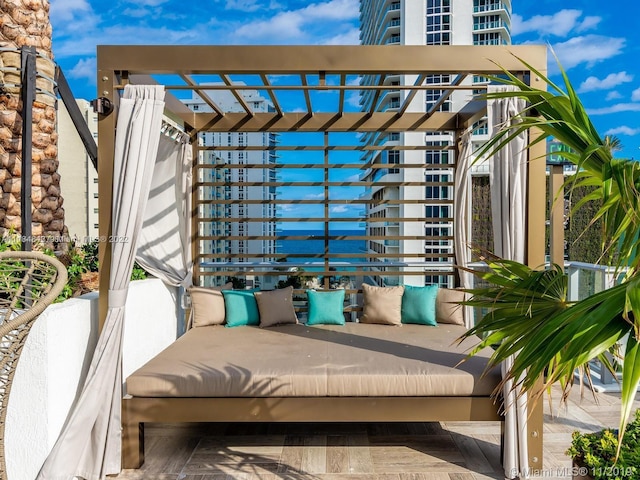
(306, 70)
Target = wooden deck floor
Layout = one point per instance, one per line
(419, 451)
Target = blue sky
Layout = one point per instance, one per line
(598, 45)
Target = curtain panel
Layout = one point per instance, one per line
(508, 179)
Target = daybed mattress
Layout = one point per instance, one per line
(327, 360)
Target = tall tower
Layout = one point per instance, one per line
(422, 22)
(230, 172)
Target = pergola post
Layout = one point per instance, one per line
(536, 258)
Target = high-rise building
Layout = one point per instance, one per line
(78, 177)
(422, 22)
(229, 185)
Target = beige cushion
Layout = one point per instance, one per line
(350, 360)
(276, 307)
(207, 305)
(382, 304)
(447, 308)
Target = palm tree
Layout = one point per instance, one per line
(613, 143)
(529, 311)
(26, 23)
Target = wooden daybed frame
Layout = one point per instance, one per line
(120, 64)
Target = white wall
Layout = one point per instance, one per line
(56, 358)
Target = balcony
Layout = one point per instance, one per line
(393, 40)
(491, 7)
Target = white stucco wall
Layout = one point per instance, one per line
(56, 358)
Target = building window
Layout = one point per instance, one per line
(438, 22)
(437, 157)
(492, 38)
(394, 158)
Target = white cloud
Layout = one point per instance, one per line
(589, 49)
(84, 69)
(71, 16)
(623, 130)
(617, 108)
(558, 24)
(613, 95)
(588, 23)
(635, 95)
(339, 209)
(610, 81)
(135, 12)
(148, 3)
(314, 196)
(67, 10)
(243, 5)
(291, 24)
(350, 37)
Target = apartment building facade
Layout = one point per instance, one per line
(422, 22)
(237, 183)
(78, 177)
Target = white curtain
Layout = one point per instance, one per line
(462, 224)
(164, 244)
(508, 178)
(89, 445)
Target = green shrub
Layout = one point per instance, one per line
(597, 452)
(79, 259)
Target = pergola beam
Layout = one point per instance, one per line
(327, 122)
(331, 59)
(272, 94)
(203, 95)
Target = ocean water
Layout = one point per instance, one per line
(315, 245)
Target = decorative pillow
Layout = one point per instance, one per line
(207, 305)
(447, 308)
(419, 305)
(241, 308)
(276, 307)
(325, 308)
(382, 304)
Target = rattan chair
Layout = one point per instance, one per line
(29, 283)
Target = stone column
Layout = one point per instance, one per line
(26, 23)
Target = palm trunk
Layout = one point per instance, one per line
(26, 23)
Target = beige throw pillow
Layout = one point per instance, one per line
(276, 307)
(207, 305)
(447, 308)
(382, 304)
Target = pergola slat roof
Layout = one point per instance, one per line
(306, 69)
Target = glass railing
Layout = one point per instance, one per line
(489, 8)
(491, 25)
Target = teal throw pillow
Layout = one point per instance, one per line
(419, 305)
(240, 308)
(326, 308)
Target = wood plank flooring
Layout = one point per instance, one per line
(380, 451)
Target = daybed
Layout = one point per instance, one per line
(297, 373)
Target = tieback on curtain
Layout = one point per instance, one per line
(118, 298)
(174, 133)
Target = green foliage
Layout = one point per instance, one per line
(597, 451)
(584, 236)
(297, 280)
(238, 283)
(78, 259)
(481, 226)
(90, 253)
(530, 315)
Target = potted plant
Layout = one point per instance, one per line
(528, 310)
(594, 454)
